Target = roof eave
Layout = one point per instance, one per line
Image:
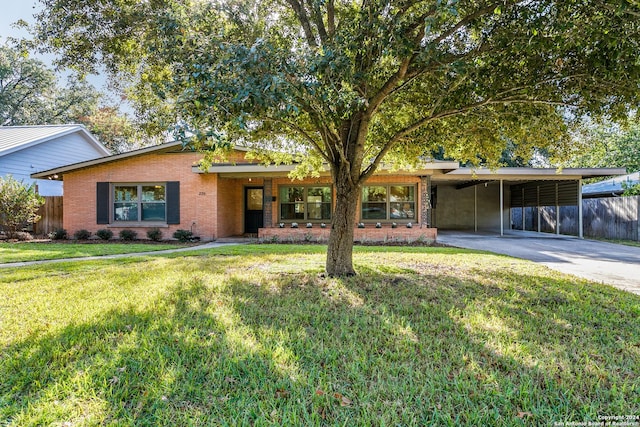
(57, 173)
(534, 173)
(233, 170)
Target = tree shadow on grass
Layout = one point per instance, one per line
(181, 364)
(391, 346)
(487, 349)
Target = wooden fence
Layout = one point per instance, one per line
(51, 213)
(615, 218)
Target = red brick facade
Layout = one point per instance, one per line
(211, 205)
(200, 209)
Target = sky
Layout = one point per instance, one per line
(13, 10)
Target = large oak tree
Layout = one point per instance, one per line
(353, 83)
(30, 94)
(609, 145)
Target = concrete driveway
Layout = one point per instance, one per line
(609, 263)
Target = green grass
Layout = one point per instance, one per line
(253, 335)
(35, 251)
(619, 242)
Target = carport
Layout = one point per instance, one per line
(479, 199)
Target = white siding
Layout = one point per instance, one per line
(62, 151)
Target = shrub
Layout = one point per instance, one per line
(104, 233)
(19, 205)
(82, 234)
(154, 234)
(58, 234)
(631, 189)
(127, 234)
(183, 235)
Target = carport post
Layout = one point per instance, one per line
(475, 208)
(538, 207)
(501, 209)
(580, 232)
(524, 223)
(557, 212)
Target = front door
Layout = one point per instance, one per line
(253, 212)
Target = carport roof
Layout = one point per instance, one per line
(526, 174)
(237, 170)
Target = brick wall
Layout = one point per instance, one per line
(210, 205)
(365, 235)
(231, 204)
(198, 192)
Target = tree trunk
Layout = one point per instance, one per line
(340, 250)
(346, 171)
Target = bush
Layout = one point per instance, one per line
(127, 234)
(631, 189)
(104, 233)
(154, 234)
(58, 234)
(183, 235)
(82, 234)
(19, 205)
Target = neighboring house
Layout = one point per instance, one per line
(163, 187)
(25, 150)
(611, 187)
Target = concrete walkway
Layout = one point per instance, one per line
(209, 245)
(613, 264)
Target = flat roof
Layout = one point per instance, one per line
(515, 173)
(239, 170)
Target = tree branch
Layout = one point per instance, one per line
(317, 16)
(304, 21)
(466, 20)
(331, 18)
(303, 133)
(388, 86)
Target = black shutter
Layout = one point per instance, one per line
(102, 203)
(173, 202)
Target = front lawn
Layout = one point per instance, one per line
(253, 335)
(36, 251)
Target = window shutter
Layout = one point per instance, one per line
(102, 203)
(173, 202)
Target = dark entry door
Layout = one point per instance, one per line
(253, 211)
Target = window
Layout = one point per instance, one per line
(139, 202)
(305, 203)
(389, 202)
